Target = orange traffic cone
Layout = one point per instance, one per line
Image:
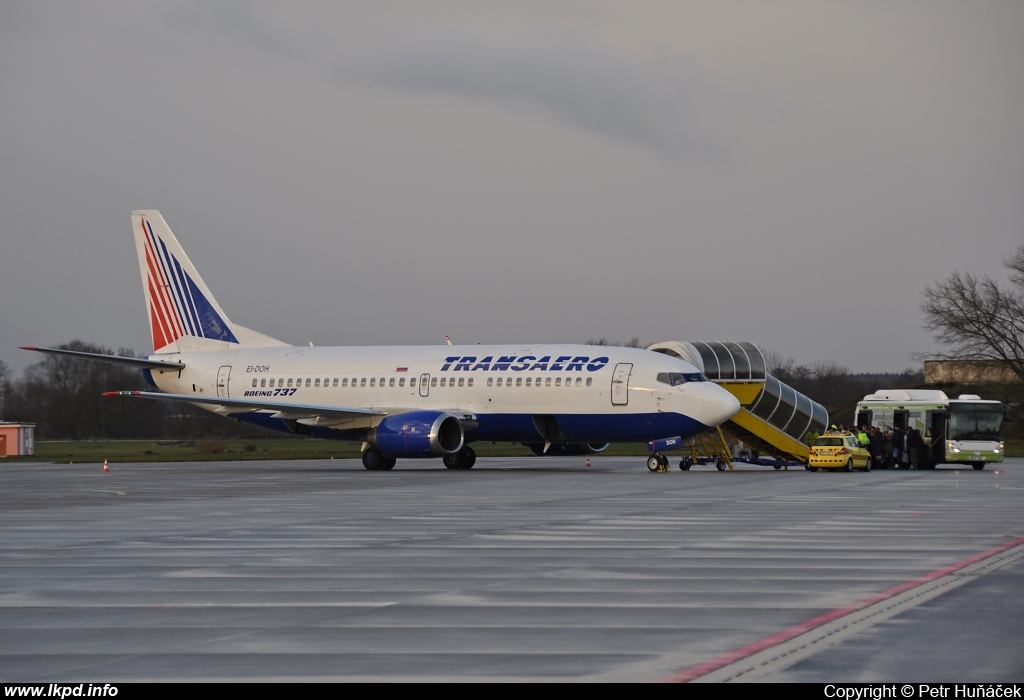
(588, 461)
(105, 467)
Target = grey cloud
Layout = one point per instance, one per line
(667, 106)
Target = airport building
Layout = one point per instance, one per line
(17, 439)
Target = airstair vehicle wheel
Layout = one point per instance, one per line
(654, 463)
(720, 464)
(685, 464)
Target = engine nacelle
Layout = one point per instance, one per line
(418, 434)
(562, 449)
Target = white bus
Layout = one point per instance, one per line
(962, 430)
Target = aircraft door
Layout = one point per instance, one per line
(223, 381)
(424, 385)
(620, 383)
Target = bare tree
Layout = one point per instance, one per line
(5, 388)
(978, 318)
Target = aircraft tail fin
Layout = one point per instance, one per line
(183, 314)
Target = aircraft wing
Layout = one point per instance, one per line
(138, 362)
(287, 411)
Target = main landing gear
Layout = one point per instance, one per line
(463, 459)
(374, 461)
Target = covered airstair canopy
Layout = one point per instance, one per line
(774, 417)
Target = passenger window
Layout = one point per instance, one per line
(263, 382)
(362, 382)
(579, 381)
(373, 381)
(469, 382)
(558, 381)
(317, 382)
(289, 381)
(528, 380)
(382, 381)
(254, 381)
(519, 381)
(499, 381)
(307, 381)
(460, 381)
(344, 382)
(412, 381)
(401, 382)
(590, 380)
(490, 381)
(547, 381)
(433, 381)
(391, 382)
(444, 380)
(335, 382)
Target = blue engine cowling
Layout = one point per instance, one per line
(418, 434)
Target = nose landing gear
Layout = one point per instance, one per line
(657, 462)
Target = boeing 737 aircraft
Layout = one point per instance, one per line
(415, 401)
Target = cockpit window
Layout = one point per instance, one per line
(677, 378)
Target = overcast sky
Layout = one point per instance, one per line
(788, 173)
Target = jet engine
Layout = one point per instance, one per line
(418, 434)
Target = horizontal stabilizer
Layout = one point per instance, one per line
(137, 362)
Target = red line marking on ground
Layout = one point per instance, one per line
(705, 667)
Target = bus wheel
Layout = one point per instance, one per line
(978, 466)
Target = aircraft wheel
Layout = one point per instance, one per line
(389, 464)
(849, 465)
(685, 463)
(468, 457)
(451, 461)
(373, 460)
(720, 464)
(654, 463)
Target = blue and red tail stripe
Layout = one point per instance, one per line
(177, 305)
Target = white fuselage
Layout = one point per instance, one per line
(597, 393)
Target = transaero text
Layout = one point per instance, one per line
(923, 690)
(515, 363)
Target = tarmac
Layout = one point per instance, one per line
(521, 569)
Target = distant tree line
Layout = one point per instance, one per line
(834, 386)
(63, 397)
